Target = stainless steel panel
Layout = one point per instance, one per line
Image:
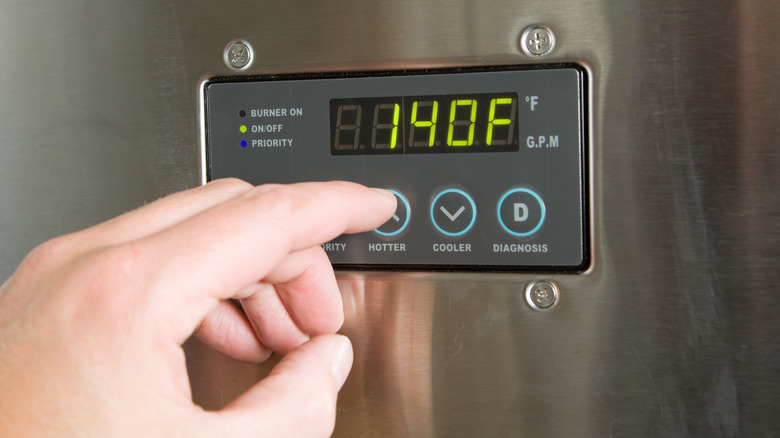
(672, 332)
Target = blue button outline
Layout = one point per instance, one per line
(538, 199)
(473, 209)
(408, 215)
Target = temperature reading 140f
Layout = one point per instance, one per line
(424, 124)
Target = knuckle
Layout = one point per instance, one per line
(234, 185)
(79, 282)
(70, 251)
(123, 261)
(52, 252)
(226, 327)
(109, 273)
(109, 281)
(278, 204)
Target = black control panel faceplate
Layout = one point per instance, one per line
(488, 165)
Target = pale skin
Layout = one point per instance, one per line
(92, 323)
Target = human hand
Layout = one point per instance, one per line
(92, 323)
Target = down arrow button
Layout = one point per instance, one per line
(453, 212)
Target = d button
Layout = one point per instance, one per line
(521, 212)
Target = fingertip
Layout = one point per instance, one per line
(342, 357)
(313, 373)
(390, 199)
(384, 192)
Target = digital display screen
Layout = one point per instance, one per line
(424, 124)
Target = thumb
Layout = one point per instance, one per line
(298, 398)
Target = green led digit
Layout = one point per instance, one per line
(345, 130)
(430, 124)
(470, 122)
(392, 127)
(493, 121)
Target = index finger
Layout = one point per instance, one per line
(218, 252)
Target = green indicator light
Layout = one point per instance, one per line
(242, 128)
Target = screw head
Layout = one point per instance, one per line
(542, 294)
(537, 40)
(238, 55)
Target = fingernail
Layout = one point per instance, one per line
(387, 193)
(341, 359)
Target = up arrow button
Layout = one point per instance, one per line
(400, 220)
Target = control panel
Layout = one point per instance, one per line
(488, 165)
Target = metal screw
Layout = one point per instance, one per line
(238, 55)
(537, 40)
(542, 294)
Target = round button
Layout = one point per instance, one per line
(453, 212)
(521, 212)
(400, 219)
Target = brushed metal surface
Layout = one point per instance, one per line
(673, 330)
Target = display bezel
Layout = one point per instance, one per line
(446, 128)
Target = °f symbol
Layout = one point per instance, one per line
(533, 101)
